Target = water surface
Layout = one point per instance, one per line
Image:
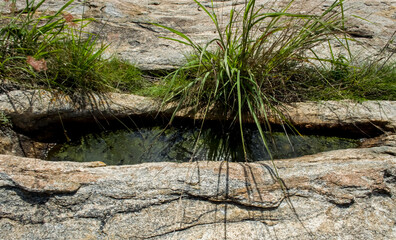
(181, 144)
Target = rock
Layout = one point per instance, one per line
(31, 111)
(344, 194)
(126, 24)
(16, 144)
(363, 118)
(379, 141)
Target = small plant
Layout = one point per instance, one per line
(247, 69)
(4, 120)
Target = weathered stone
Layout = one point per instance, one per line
(34, 110)
(12, 143)
(126, 24)
(348, 116)
(344, 194)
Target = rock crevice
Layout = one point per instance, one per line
(31, 111)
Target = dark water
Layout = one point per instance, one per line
(183, 144)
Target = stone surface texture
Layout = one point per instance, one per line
(34, 110)
(344, 194)
(126, 24)
(13, 143)
(31, 111)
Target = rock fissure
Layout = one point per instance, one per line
(218, 200)
(30, 116)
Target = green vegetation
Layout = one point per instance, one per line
(122, 76)
(246, 68)
(55, 51)
(266, 50)
(4, 121)
(362, 82)
(258, 61)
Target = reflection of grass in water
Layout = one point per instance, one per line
(226, 145)
(178, 145)
(281, 147)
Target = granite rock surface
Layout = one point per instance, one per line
(31, 111)
(343, 194)
(126, 24)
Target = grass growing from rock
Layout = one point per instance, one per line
(360, 82)
(365, 82)
(4, 120)
(55, 51)
(246, 69)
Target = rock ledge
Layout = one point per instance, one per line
(347, 194)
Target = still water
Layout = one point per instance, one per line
(181, 144)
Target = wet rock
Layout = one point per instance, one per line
(12, 143)
(347, 194)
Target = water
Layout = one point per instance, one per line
(182, 144)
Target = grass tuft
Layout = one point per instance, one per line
(248, 68)
(55, 51)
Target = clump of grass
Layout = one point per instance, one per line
(56, 52)
(247, 68)
(366, 80)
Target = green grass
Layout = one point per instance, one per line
(373, 80)
(122, 76)
(54, 51)
(366, 82)
(246, 69)
(4, 120)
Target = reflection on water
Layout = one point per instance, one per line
(182, 144)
